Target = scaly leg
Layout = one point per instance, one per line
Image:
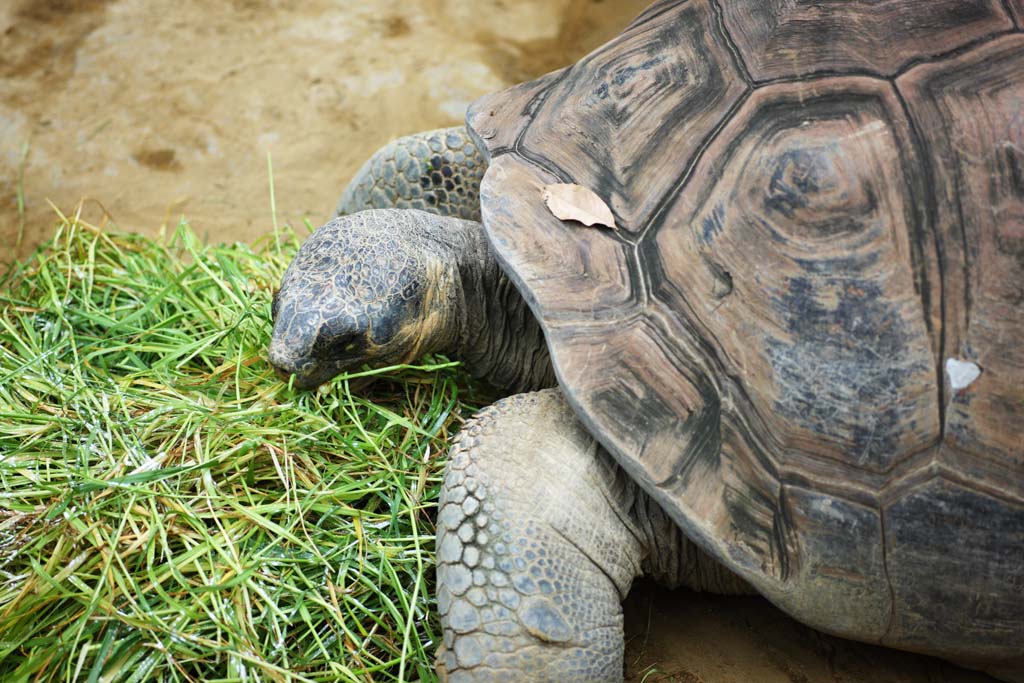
(437, 171)
(540, 535)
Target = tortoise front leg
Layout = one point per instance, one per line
(438, 171)
(540, 535)
(535, 551)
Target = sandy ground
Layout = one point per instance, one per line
(150, 113)
(684, 637)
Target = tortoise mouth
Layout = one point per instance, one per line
(308, 379)
(308, 373)
(311, 373)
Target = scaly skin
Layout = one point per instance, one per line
(438, 172)
(540, 535)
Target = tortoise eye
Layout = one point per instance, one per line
(344, 349)
(338, 349)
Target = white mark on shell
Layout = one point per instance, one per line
(961, 373)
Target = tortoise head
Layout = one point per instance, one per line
(367, 288)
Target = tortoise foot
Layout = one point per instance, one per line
(534, 554)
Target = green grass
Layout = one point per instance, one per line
(170, 510)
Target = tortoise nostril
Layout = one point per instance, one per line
(279, 357)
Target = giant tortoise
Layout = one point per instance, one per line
(796, 364)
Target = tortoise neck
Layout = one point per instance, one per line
(498, 338)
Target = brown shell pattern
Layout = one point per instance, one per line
(819, 203)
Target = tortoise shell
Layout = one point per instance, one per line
(821, 215)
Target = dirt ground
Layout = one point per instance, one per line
(150, 113)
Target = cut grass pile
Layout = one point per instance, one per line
(170, 510)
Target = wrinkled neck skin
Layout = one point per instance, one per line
(493, 331)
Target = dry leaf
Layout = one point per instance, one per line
(576, 203)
